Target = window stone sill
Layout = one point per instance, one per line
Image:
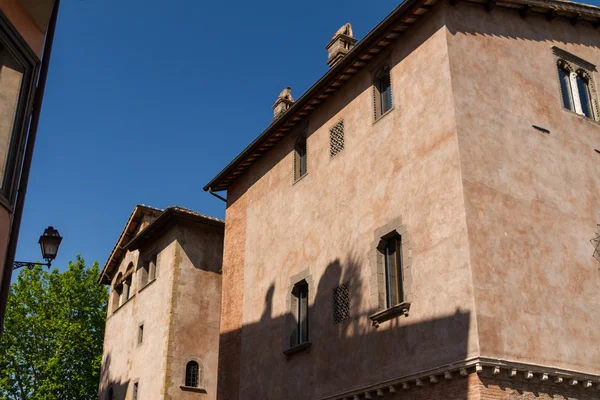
(583, 117)
(192, 389)
(147, 284)
(298, 349)
(392, 312)
(379, 118)
(299, 179)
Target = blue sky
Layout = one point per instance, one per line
(148, 100)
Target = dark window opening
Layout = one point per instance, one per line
(135, 391)
(111, 394)
(141, 334)
(392, 253)
(191, 374)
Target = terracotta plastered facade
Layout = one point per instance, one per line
(178, 309)
(489, 180)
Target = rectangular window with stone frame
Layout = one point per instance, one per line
(382, 91)
(391, 279)
(297, 325)
(300, 332)
(577, 89)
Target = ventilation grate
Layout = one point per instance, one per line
(341, 303)
(336, 135)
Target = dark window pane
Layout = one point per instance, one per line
(393, 272)
(565, 88)
(141, 334)
(583, 86)
(135, 391)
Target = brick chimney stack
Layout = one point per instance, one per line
(283, 103)
(343, 41)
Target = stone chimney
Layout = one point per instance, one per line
(283, 103)
(340, 45)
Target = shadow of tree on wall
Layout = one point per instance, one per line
(119, 387)
(343, 357)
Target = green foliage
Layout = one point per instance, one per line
(53, 334)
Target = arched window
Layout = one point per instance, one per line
(577, 89)
(192, 374)
(585, 93)
(564, 74)
(110, 395)
(382, 90)
(300, 162)
(152, 268)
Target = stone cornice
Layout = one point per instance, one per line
(512, 369)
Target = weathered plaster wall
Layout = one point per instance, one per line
(195, 307)
(124, 361)
(406, 165)
(532, 199)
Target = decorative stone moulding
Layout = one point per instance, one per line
(485, 367)
(528, 375)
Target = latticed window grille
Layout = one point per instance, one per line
(341, 303)
(596, 242)
(191, 374)
(336, 136)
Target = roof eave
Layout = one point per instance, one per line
(157, 227)
(351, 57)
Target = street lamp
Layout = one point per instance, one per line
(49, 243)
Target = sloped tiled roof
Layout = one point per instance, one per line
(128, 240)
(395, 25)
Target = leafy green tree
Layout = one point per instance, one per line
(51, 347)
